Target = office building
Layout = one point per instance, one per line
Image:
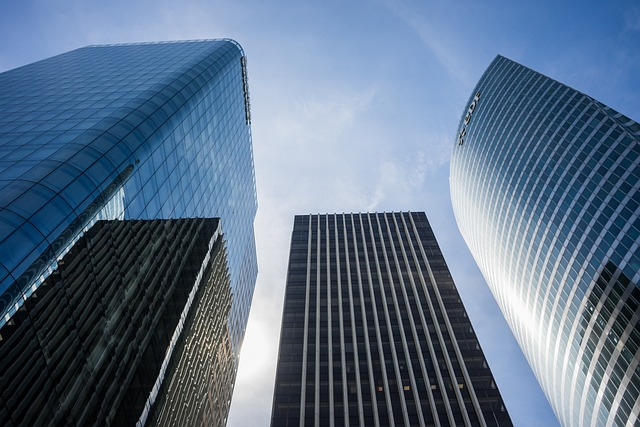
(114, 159)
(374, 332)
(113, 325)
(545, 185)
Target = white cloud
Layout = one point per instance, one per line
(437, 34)
(319, 116)
(632, 20)
(297, 145)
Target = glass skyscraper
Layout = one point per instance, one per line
(545, 185)
(374, 332)
(123, 134)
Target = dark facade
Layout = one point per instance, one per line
(112, 324)
(545, 185)
(151, 131)
(374, 332)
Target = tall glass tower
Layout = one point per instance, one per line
(545, 185)
(130, 134)
(374, 332)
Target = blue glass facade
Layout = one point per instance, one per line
(123, 132)
(545, 185)
(137, 131)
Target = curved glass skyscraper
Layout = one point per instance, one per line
(156, 136)
(545, 185)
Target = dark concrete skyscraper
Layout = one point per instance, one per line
(374, 332)
(127, 254)
(545, 184)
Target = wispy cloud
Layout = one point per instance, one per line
(321, 115)
(299, 144)
(402, 177)
(435, 36)
(311, 149)
(632, 20)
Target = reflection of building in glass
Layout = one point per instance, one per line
(200, 376)
(545, 189)
(134, 308)
(374, 332)
(129, 132)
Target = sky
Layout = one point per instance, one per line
(354, 108)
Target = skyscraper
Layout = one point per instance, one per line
(125, 154)
(374, 332)
(545, 184)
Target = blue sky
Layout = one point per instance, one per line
(354, 107)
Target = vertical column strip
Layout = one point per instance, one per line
(401, 326)
(403, 403)
(303, 390)
(376, 320)
(454, 343)
(318, 291)
(329, 324)
(365, 323)
(407, 304)
(345, 398)
(421, 310)
(443, 389)
(353, 327)
(386, 314)
(463, 366)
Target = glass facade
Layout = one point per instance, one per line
(134, 310)
(374, 332)
(545, 185)
(134, 132)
